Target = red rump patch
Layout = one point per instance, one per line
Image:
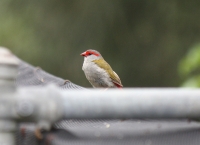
(118, 86)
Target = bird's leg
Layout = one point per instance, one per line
(105, 89)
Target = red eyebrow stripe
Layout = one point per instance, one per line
(92, 53)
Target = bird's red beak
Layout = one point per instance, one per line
(83, 54)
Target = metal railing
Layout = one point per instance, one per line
(46, 105)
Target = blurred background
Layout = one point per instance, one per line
(148, 43)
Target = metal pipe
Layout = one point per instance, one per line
(174, 103)
(165, 103)
(168, 103)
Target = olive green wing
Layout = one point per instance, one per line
(117, 80)
(104, 65)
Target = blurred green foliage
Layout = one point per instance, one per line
(142, 40)
(189, 67)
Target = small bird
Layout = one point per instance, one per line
(98, 72)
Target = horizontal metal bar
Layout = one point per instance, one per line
(51, 103)
(173, 103)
